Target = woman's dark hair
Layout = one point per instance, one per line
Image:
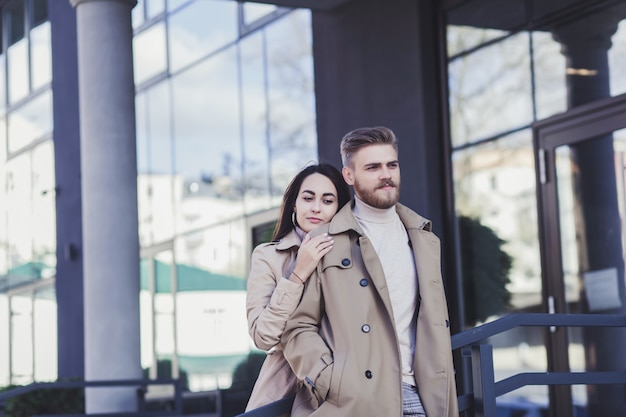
(284, 224)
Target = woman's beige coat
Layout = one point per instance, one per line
(270, 301)
(341, 339)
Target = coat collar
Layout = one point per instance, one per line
(345, 221)
(290, 240)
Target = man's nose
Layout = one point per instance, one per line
(385, 173)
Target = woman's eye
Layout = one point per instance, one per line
(329, 202)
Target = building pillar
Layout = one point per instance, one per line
(109, 204)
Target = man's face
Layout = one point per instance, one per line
(374, 172)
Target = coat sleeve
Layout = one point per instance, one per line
(270, 298)
(309, 356)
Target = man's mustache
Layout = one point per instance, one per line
(388, 183)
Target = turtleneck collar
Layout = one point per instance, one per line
(364, 211)
(301, 233)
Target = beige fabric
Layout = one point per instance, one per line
(271, 298)
(341, 336)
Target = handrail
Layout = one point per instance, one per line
(502, 324)
(486, 389)
(141, 384)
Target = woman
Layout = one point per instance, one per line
(279, 269)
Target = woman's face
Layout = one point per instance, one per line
(316, 202)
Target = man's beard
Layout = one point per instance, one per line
(376, 198)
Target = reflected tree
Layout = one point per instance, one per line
(485, 269)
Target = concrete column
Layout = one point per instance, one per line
(109, 191)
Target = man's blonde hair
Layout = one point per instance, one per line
(365, 136)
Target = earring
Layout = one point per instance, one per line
(293, 219)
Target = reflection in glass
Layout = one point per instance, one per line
(207, 143)
(495, 183)
(617, 60)
(490, 90)
(550, 79)
(30, 121)
(21, 322)
(155, 182)
(41, 56)
(4, 339)
(44, 209)
(291, 97)
(19, 219)
(149, 55)
(199, 29)
(255, 11)
(45, 333)
(17, 76)
(211, 296)
(3, 91)
(461, 38)
(254, 120)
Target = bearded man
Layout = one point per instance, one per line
(371, 335)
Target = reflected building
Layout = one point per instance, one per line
(143, 154)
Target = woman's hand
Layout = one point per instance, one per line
(310, 252)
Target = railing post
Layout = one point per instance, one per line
(484, 381)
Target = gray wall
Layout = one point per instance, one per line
(69, 277)
(378, 63)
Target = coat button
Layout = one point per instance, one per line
(365, 328)
(345, 262)
(363, 282)
(447, 323)
(368, 374)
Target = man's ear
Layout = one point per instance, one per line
(347, 175)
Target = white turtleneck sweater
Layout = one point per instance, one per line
(391, 242)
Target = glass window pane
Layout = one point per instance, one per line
(138, 14)
(41, 59)
(199, 29)
(550, 78)
(154, 153)
(22, 339)
(256, 166)
(255, 11)
(211, 296)
(16, 22)
(495, 186)
(3, 87)
(44, 209)
(208, 153)
(4, 339)
(45, 330)
(17, 61)
(40, 11)
(154, 8)
(20, 220)
(293, 139)
(461, 38)
(30, 122)
(488, 18)
(617, 60)
(490, 91)
(149, 55)
(175, 4)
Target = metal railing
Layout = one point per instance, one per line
(485, 390)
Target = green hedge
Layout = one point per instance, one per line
(45, 401)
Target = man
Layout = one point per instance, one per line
(371, 335)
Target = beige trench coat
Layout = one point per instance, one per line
(341, 339)
(271, 298)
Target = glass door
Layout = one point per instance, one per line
(581, 160)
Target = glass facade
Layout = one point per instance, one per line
(507, 70)
(27, 197)
(225, 118)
